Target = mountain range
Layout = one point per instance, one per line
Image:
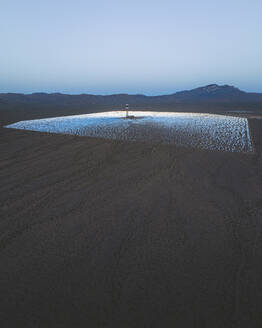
(210, 98)
(211, 93)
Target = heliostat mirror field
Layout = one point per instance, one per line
(204, 131)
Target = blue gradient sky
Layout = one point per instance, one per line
(113, 46)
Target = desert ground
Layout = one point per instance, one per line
(101, 233)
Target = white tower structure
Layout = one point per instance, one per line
(127, 110)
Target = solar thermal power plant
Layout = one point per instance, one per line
(204, 131)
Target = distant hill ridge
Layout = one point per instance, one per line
(212, 93)
(211, 98)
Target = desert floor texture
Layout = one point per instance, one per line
(100, 233)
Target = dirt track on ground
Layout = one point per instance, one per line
(100, 233)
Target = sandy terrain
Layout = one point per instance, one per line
(100, 233)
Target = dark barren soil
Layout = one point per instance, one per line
(96, 233)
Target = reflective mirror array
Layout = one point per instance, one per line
(204, 131)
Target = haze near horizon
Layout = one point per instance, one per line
(129, 47)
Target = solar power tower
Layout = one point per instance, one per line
(127, 110)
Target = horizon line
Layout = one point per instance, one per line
(123, 93)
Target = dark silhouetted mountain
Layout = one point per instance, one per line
(211, 93)
(210, 98)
